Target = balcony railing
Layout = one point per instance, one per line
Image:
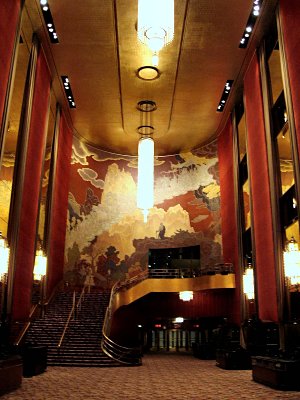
(169, 273)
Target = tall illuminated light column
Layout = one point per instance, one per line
(145, 186)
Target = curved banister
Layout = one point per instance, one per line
(125, 355)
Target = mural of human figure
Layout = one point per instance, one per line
(161, 231)
(89, 280)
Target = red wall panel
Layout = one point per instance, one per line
(9, 16)
(228, 213)
(30, 199)
(260, 186)
(59, 206)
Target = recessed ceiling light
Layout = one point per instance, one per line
(250, 24)
(225, 95)
(148, 73)
(49, 21)
(68, 91)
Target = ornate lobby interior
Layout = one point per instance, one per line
(149, 195)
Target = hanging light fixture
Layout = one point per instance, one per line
(292, 262)
(4, 257)
(40, 265)
(248, 283)
(155, 24)
(145, 191)
(145, 184)
(187, 295)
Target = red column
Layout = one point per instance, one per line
(228, 212)
(9, 17)
(59, 206)
(31, 189)
(290, 17)
(260, 194)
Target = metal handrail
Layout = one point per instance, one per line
(167, 273)
(68, 320)
(32, 312)
(122, 354)
(74, 310)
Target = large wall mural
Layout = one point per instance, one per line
(107, 239)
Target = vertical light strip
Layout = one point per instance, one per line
(145, 186)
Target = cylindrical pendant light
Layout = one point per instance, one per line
(145, 186)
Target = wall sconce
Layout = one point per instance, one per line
(186, 295)
(292, 262)
(4, 258)
(40, 265)
(248, 283)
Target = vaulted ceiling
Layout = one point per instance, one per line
(99, 51)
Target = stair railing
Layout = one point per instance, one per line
(125, 355)
(73, 312)
(27, 325)
(68, 320)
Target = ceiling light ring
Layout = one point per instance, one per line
(145, 130)
(162, 30)
(146, 106)
(148, 70)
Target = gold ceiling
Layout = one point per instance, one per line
(99, 51)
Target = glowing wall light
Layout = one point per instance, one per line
(292, 262)
(40, 265)
(186, 295)
(145, 186)
(4, 257)
(248, 283)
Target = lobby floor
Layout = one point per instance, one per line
(161, 377)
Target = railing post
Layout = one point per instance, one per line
(73, 305)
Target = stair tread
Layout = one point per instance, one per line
(81, 346)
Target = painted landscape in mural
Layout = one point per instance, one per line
(107, 239)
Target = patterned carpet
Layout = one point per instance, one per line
(161, 377)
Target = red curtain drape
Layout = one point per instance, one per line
(260, 191)
(9, 18)
(290, 17)
(59, 206)
(30, 197)
(228, 213)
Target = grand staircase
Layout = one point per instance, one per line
(81, 345)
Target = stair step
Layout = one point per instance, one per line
(81, 346)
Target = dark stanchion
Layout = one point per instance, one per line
(34, 360)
